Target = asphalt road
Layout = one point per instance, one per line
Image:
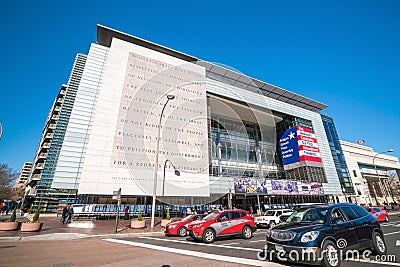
(163, 251)
(244, 252)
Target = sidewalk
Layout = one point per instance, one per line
(53, 229)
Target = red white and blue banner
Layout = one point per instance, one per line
(299, 144)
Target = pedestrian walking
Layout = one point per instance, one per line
(64, 214)
(70, 213)
(126, 217)
(8, 208)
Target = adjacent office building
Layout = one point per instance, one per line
(134, 110)
(369, 171)
(24, 173)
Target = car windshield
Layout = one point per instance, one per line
(269, 213)
(187, 218)
(307, 215)
(211, 216)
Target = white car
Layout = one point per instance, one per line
(270, 218)
(285, 215)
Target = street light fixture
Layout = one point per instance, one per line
(153, 206)
(377, 173)
(176, 171)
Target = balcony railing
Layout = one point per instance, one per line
(32, 192)
(43, 155)
(40, 166)
(46, 145)
(36, 177)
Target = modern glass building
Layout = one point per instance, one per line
(338, 157)
(137, 116)
(42, 172)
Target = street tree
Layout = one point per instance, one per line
(7, 176)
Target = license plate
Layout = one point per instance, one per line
(279, 248)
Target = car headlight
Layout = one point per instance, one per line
(197, 225)
(309, 236)
(172, 226)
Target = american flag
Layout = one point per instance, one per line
(360, 142)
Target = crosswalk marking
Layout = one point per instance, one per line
(241, 261)
(199, 244)
(254, 241)
(392, 233)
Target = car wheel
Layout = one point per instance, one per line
(272, 225)
(247, 232)
(378, 244)
(208, 236)
(330, 255)
(182, 231)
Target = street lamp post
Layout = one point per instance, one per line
(153, 206)
(177, 173)
(377, 173)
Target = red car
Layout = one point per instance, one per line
(179, 227)
(222, 223)
(380, 214)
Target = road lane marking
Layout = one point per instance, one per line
(392, 233)
(198, 254)
(231, 244)
(397, 243)
(199, 244)
(376, 262)
(396, 224)
(257, 241)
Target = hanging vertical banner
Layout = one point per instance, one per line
(299, 144)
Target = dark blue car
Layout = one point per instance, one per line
(325, 234)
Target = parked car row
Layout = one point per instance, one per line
(322, 229)
(216, 224)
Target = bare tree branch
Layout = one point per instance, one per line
(7, 177)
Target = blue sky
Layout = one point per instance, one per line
(342, 53)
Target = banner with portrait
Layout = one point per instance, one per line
(250, 185)
(310, 188)
(283, 187)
